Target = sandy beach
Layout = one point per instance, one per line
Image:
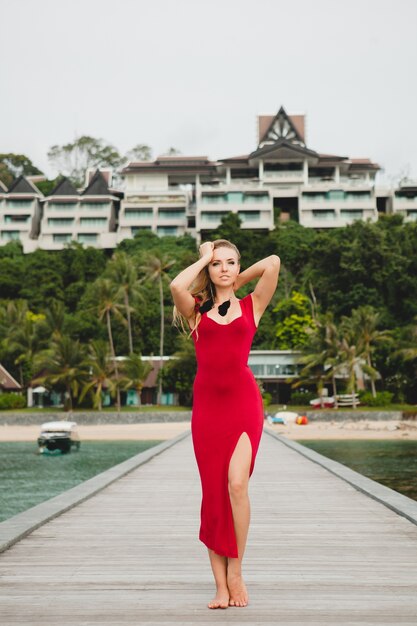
(366, 429)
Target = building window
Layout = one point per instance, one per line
(94, 206)
(236, 197)
(324, 214)
(249, 216)
(132, 214)
(351, 214)
(62, 206)
(10, 235)
(60, 221)
(18, 204)
(165, 214)
(87, 238)
(256, 197)
(213, 216)
(61, 238)
(10, 219)
(136, 229)
(335, 194)
(166, 230)
(93, 221)
(214, 198)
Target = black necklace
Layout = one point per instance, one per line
(209, 304)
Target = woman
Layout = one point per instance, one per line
(227, 416)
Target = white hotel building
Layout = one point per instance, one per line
(281, 179)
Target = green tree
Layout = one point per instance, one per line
(107, 304)
(14, 165)
(101, 373)
(179, 373)
(122, 272)
(64, 364)
(134, 373)
(73, 159)
(365, 321)
(321, 356)
(156, 267)
(293, 322)
(141, 152)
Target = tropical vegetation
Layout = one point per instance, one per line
(347, 298)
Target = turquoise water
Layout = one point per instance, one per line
(28, 478)
(392, 463)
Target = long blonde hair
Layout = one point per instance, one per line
(203, 289)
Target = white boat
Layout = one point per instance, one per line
(59, 435)
(282, 417)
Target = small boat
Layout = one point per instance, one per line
(282, 417)
(58, 436)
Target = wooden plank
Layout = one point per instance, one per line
(319, 552)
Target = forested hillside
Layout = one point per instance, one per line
(76, 293)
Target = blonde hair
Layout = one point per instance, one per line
(201, 288)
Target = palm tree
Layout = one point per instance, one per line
(23, 340)
(365, 321)
(122, 272)
(135, 371)
(65, 365)
(321, 356)
(101, 373)
(55, 318)
(107, 304)
(156, 268)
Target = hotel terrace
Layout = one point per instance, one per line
(281, 179)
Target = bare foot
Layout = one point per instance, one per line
(220, 600)
(237, 590)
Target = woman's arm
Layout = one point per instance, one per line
(267, 270)
(183, 299)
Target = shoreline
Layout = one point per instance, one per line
(336, 430)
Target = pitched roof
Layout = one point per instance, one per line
(22, 185)
(292, 125)
(3, 188)
(64, 188)
(97, 187)
(286, 148)
(7, 381)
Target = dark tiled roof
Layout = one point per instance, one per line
(64, 188)
(363, 164)
(282, 144)
(21, 185)
(332, 157)
(7, 381)
(97, 186)
(243, 157)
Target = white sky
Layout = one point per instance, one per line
(194, 74)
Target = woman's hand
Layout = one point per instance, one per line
(206, 250)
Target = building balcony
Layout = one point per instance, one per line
(404, 204)
(283, 176)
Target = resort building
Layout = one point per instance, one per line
(20, 211)
(88, 217)
(404, 201)
(281, 179)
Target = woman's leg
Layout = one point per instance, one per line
(239, 468)
(219, 567)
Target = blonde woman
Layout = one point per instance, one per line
(227, 416)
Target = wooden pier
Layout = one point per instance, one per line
(320, 552)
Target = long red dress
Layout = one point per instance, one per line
(227, 403)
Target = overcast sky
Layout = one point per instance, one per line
(195, 74)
